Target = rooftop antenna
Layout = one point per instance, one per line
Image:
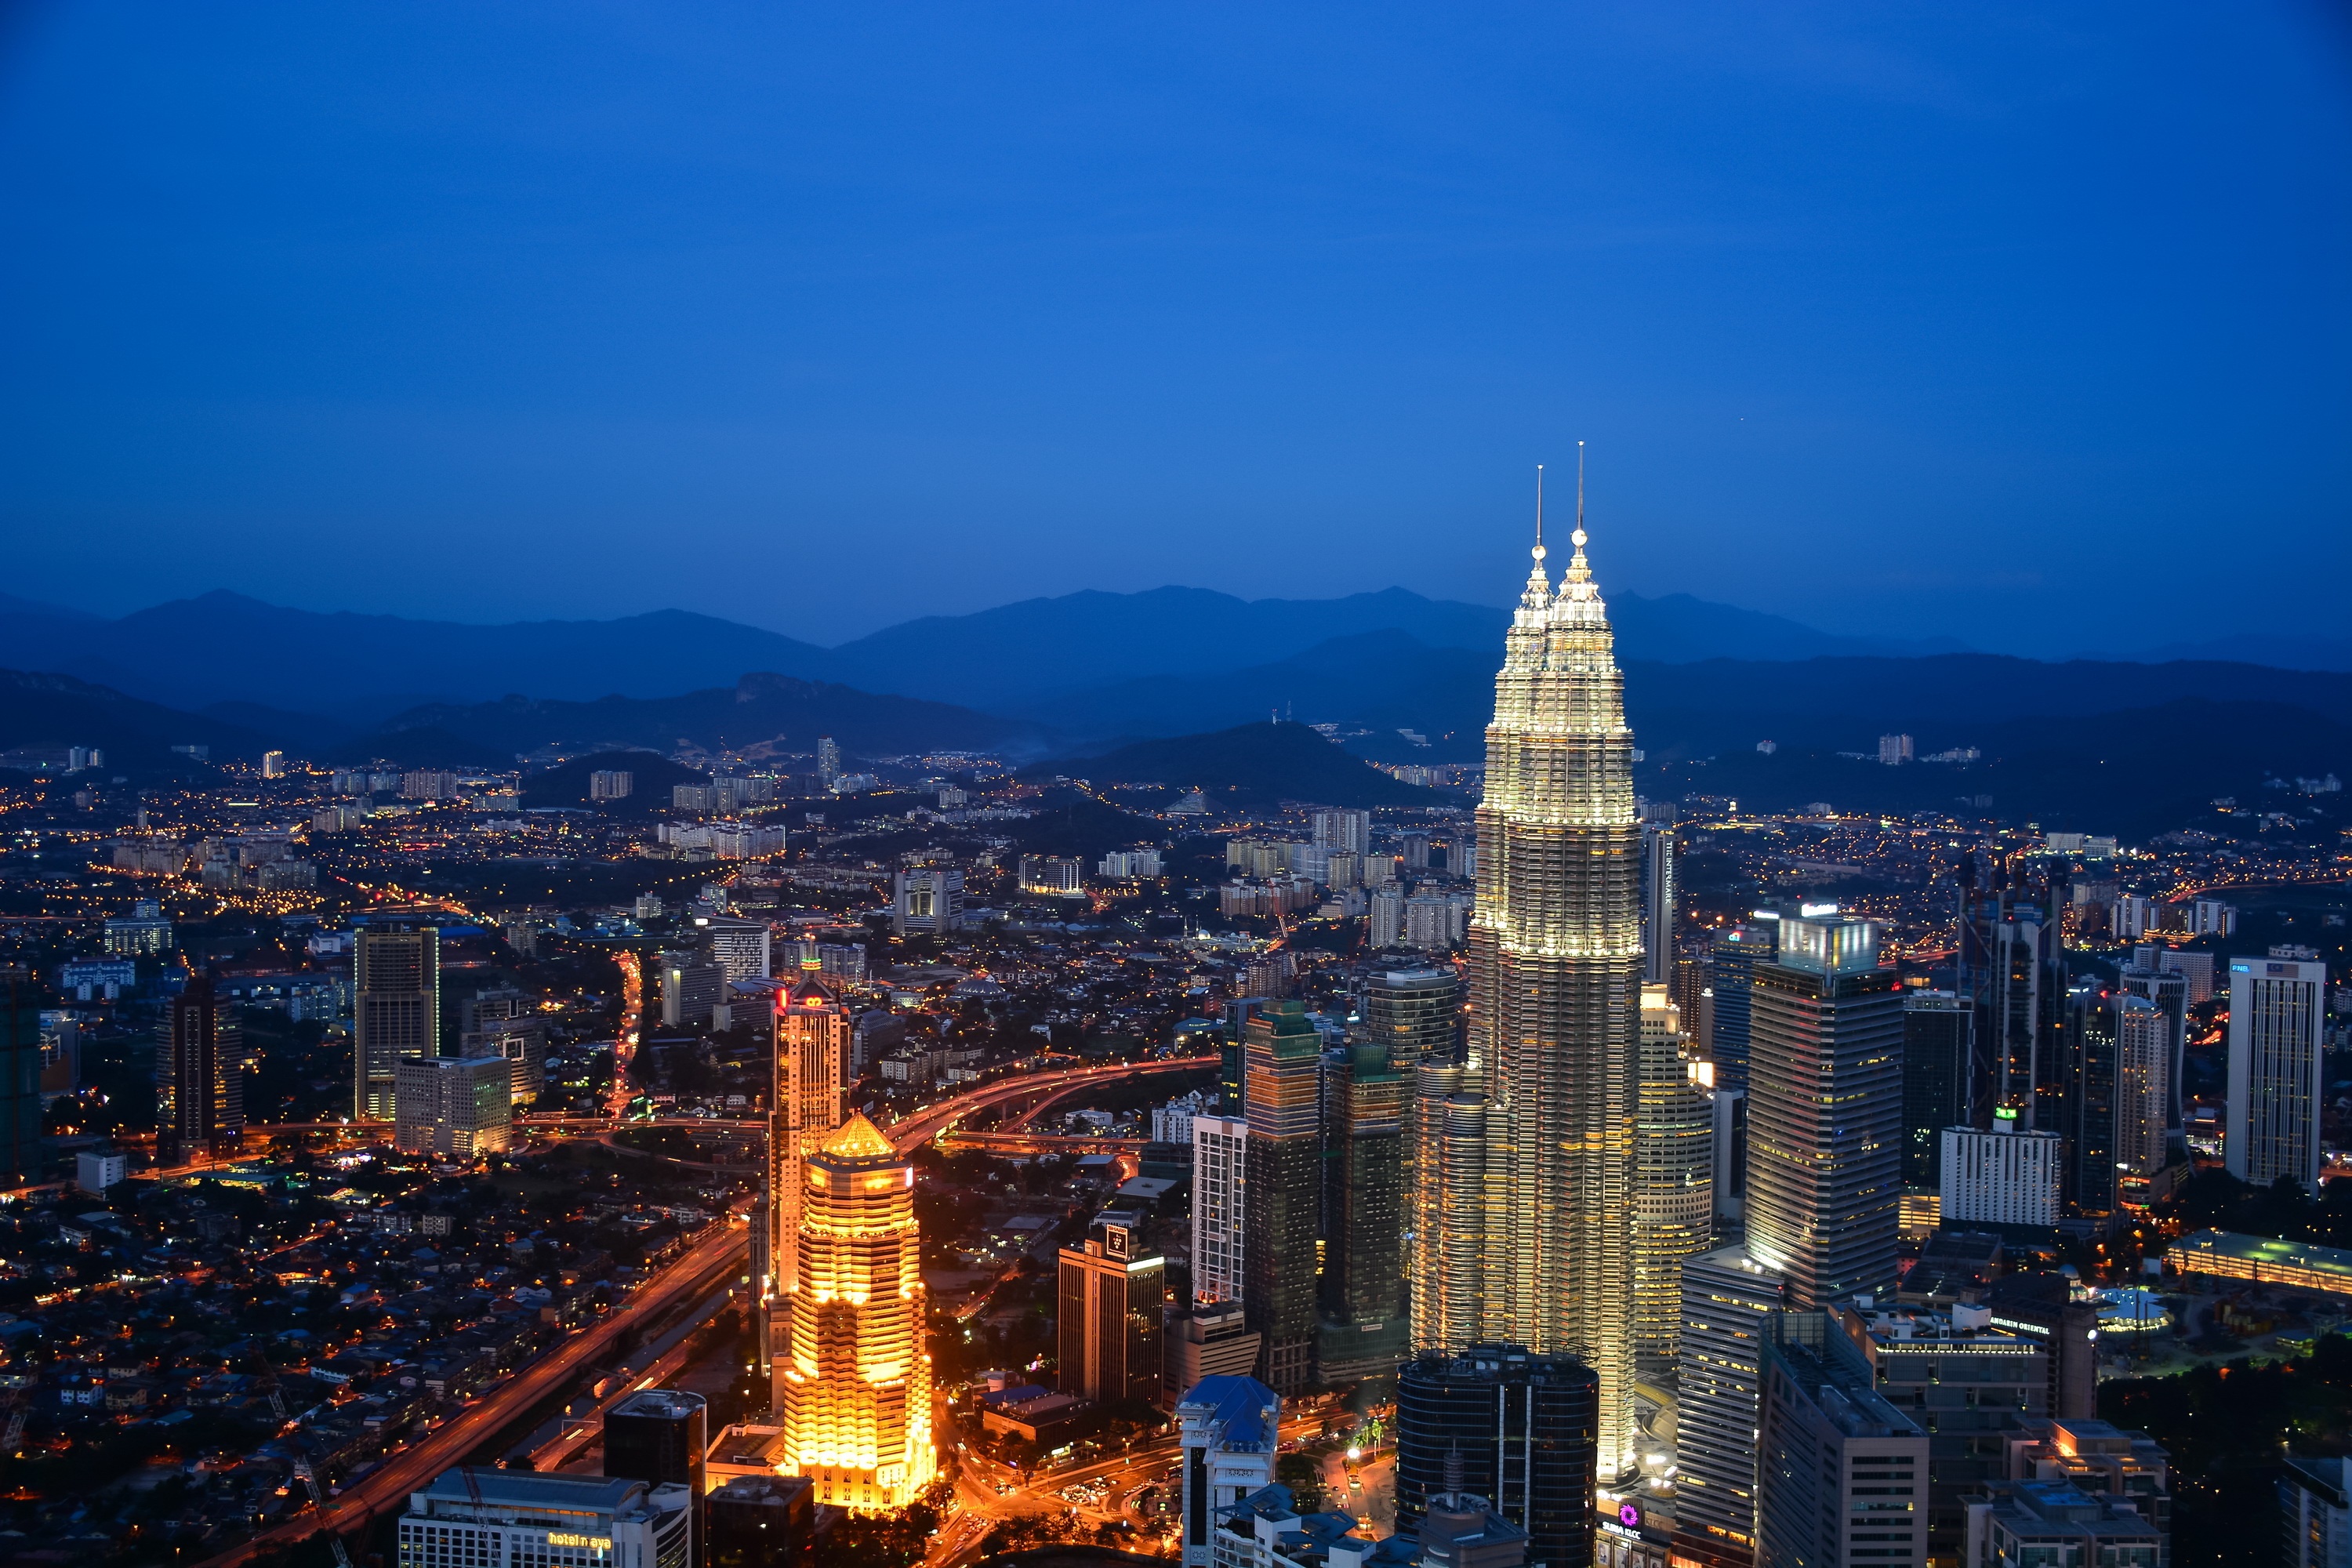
(1579, 493)
(1539, 549)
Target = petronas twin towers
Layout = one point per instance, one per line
(1524, 1229)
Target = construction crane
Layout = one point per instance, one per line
(300, 1454)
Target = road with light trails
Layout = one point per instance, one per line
(957, 1546)
(920, 1128)
(694, 1276)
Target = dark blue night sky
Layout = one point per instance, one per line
(2023, 324)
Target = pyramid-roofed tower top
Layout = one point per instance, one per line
(859, 1139)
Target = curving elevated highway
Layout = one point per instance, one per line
(912, 1131)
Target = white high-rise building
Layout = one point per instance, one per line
(2274, 1084)
(1349, 830)
(1386, 910)
(741, 947)
(493, 1517)
(828, 760)
(1231, 1427)
(457, 1107)
(1728, 1298)
(2003, 1176)
(1219, 1152)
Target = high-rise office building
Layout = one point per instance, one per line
(927, 899)
(1220, 1190)
(507, 1024)
(661, 1436)
(199, 1076)
(1659, 853)
(1935, 1079)
(1730, 1109)
(1728, 1300)
(2275, 1098)
(1109, 1320)
(1342, 829)
(459, 1108)
(1673, 1181)
(2003, 1177)
(2013, 966)
(1826, 1111)
(1731, 963)
(693, 987)
(1839, 1472)
(1414, 1014)
(1283, 1173)
(492, 1517)
(1230, 1428)
(740, 947)
(1449, 1203)
(1555, 991)
(2144, 1034)
(2315, 1497)
(1366, 1328)
(1210, 1340)
(807, 1102)
(1973, 1385)
(1521, 1429)
(856, 1400)
(2090, 1108)
(2167, 991)
(760, 1522)
(395, 1010)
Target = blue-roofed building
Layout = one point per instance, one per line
(1231, 1428)
(1265, 1530)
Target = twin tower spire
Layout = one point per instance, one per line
(1576, 599)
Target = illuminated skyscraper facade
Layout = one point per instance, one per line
(396, 1011)
(1283, 1170)
(1555, 969)
(854, 1395)
(806, 1107)
(1826, 1111)
(1674, 1181)
(199, 1076)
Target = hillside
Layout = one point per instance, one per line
(2134, 772)
(1254, 763)
(226, 647)
(651, 776)
(760, 714)
(38, 709)
(357, 670)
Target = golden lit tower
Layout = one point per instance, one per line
(804, 1109)
(854, 1395)
(1555, 967)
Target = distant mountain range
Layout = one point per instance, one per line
(2281, 652)
(224, 647)
(1106, 677)
(1253, 764)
